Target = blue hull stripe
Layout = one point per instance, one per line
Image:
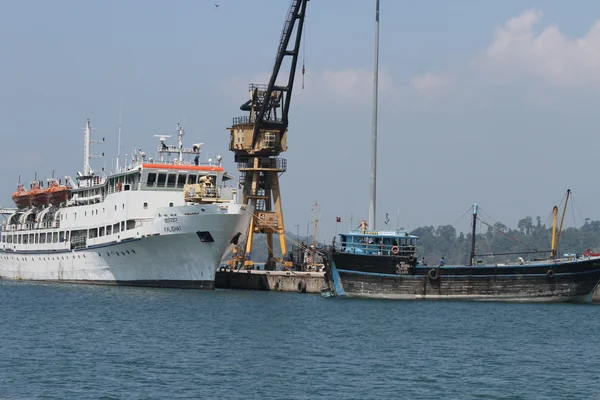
(337, 284)
(98, 246)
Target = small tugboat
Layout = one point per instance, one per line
(384, 265)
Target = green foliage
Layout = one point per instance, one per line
(529, 236)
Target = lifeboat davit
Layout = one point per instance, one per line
(21, 197)
(57, 193)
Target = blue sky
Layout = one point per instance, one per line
(487, 102)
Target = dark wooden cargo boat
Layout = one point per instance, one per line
(384, 265)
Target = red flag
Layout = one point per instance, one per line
(338, 219)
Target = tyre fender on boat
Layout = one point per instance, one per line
(433, 274)
(222, 269)
(550, 274)
(395, 249)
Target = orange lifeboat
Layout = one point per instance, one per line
(21, 197)
(38, 195)
(57, 193)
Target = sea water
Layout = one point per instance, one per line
(60, 341)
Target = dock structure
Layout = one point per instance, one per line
(277, 281)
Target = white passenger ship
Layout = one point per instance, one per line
(165, 223)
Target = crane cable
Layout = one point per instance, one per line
(303, 51)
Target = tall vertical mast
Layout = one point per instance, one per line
(180, 134)
(472, 258)
(86, 148)
(119, 139)
(373, 198)
(315, 222)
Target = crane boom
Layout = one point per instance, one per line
(295, 15)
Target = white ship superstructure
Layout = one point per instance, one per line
(165, 222)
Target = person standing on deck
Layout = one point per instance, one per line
(442, 261)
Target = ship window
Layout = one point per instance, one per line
(123, 206)
(55, 237)
(85, 213)
(130, 224)
(122, 226)
(101, 231)
(181, 180)
(42, 238)
(109, 230)
(10, 239)
(19, 239)
(67, 236)
(3, 239)
(116, 228)
(192, 179)
(171, 180)
(24, 239)
(93, 233)
(145, 206)
(37, 238)
(162, 178)
(151, 179)
(170, 204)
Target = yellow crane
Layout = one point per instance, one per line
(258, 138)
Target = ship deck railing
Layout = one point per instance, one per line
(378, 249)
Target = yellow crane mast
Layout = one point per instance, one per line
(258, 138)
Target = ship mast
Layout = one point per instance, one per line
(87, 170)
(472, 257)
(373, 197)
(86, 149)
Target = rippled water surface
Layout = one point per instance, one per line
(88, 342)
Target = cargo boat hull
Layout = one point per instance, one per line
(382, 277)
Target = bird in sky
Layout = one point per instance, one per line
(216, 5)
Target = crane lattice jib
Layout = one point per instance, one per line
(268, 103)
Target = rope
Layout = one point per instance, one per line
(507, 235)
(462, 216)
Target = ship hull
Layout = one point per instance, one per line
(381, 277)
(166, 254)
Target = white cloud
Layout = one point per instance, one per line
(351, 84)
(429, 83)
(519, 51)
